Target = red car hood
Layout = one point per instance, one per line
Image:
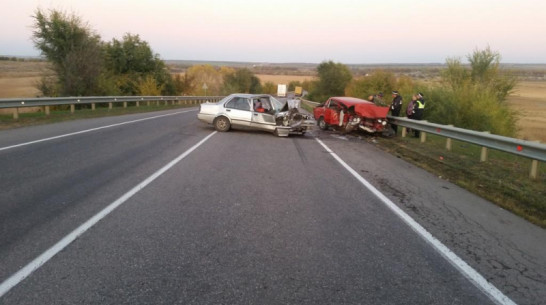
(371, 111)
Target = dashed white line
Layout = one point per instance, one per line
(90, 130)
(26, 271)
(477, 279)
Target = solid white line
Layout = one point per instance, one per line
(477, 279)
(92, 129)
(26, 271)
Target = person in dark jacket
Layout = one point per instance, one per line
(418, 110)
(396, 106)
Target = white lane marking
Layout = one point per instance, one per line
(477, 279)
(92, 129)
(43, 258)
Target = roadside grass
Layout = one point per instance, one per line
(307, 107)
(39, 118)
(503, 179)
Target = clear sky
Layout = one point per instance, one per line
(347, 31)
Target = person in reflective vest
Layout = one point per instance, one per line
(418, 110)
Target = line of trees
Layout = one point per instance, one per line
(84, 65)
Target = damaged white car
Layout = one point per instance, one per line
(255, 111)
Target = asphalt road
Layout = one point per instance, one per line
(244, 218)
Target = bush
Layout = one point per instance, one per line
(269, 88)
(377, 81)
(149, 87)
(241, 81)
(333, 79)
(473, 98)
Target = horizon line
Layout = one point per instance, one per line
(297, 63)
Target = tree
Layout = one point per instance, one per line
(205, 74)
(485, 71)
(74, 50)
(474, 97)
(184, 85)
(333, 79)
(377, 81)
(149, 87)
(242, 81)
(131, 61)
(269, 88)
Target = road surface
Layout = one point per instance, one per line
(243, 217)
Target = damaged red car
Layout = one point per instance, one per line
(350, 113)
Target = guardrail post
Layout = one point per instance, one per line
(124, 104)
(72, 108)
(138, 104)
(483, 155)
(423, 137)
(404, 132)
(110, 106)
(448, 144)
(534, 170)
(448, 141)
(15, 113)
(93, 106)
(46, 110)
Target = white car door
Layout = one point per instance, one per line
(238, 111)
(263, 115)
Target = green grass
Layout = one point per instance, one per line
(503, 179)
(307, 107)
(39, 118)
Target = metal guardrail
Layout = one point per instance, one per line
(310, 103)
(529, 149)
(535, 151)
(53, 101)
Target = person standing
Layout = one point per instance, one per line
(418, 110)
(411, 105)
(396, 106)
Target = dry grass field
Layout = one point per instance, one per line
(529, 98)
(18, 79)
(283, 79)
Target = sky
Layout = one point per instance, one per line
(303, 31)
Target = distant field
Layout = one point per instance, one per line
(18, 79)
(530, 99)
(282, 79)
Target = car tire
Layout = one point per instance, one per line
(222, 124)
(322, 124)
